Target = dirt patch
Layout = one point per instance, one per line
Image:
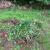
(21, 42)
(24, 43)
(3, 34)
(11, 21)
(8, 45)
(5, 4)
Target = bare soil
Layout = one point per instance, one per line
(11, 21)
(5, 4)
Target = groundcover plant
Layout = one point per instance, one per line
(24, 25)
(25, 33)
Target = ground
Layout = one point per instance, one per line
(27, 15)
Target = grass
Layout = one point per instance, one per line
(29, 15)
(21, 14)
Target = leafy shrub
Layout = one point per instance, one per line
(27, 1)
(26, 29)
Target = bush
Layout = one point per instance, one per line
(27, 1)
(26, 29)
(45, 1)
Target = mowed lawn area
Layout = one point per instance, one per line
(34, 14)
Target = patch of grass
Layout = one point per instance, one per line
(21, 14)
(28, 15)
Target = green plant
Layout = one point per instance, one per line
(25, 29)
